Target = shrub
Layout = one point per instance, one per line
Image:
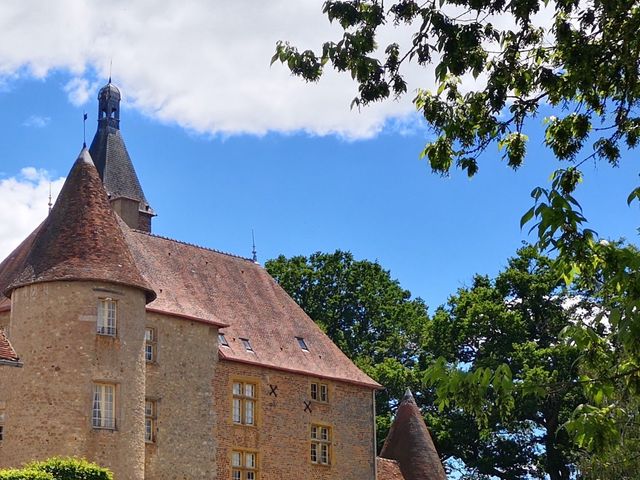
(71, 469)
(25, 474)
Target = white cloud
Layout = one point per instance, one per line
(201, 64)
(23, 205)
(79, 90)
(37, 121)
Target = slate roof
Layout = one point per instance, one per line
(7, 353)
(410, 444)
(114, 165)
(80, 239)
(388, 469)
(199, 283)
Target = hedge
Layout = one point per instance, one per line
(58, 469)
(25, 474)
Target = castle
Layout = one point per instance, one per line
(165, 360)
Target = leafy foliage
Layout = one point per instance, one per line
(585, 65)
(70, 469)
(585, 61)
(498, 347)
(503, 370)
(25, 474)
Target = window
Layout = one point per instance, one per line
(244, 403)
(150, 344)
(222, 340)
(302, 343)
(320, 392)
(104, 410)
(107, 317)
(321, 444)
(247, 344)
(244, 465)
(150, 416)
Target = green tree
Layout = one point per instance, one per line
(585, 66)
(514, 319)
(365, 312)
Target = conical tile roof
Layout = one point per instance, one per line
(410, 444)
(80, 239)
(115, 167)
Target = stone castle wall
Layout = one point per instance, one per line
(282, 435)
(180, 382)
(49, 401)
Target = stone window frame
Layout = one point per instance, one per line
(107, 317)
(321, 444)
(244, 405)
(319, 392)
(150, 420)
(241, 469)
(150, 345)
(104, 394)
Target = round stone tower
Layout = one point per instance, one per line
(78, 321)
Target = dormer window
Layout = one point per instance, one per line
(302, 343)
(222, 340)
(247, 344)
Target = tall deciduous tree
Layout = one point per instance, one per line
(515, 319)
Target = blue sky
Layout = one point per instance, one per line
(302, 193)
(224, 144)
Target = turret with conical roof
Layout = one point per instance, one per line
(78, 320)
(114, 163)
(410, 444)
(81, 238)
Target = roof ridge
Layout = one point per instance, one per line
(182, 242)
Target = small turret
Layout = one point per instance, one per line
(410, 444)
(109, 106)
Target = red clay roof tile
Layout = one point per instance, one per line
(79, 240)
(410, 444)
(204, 284)
(388, 469)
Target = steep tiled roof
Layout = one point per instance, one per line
(410, 444)
(79, 240)
(195, 282)
(7, 354)
(114, 165)
(388, 469)
(13, 265)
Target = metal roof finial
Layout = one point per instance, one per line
(84, 129)
(254, 256)
(110, 68)
(50, 204)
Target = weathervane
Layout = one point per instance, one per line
(84, 129)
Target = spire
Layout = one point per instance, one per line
(411, 445)
(50, 204)
(80, 239)
(114, 163)
(254, 252)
